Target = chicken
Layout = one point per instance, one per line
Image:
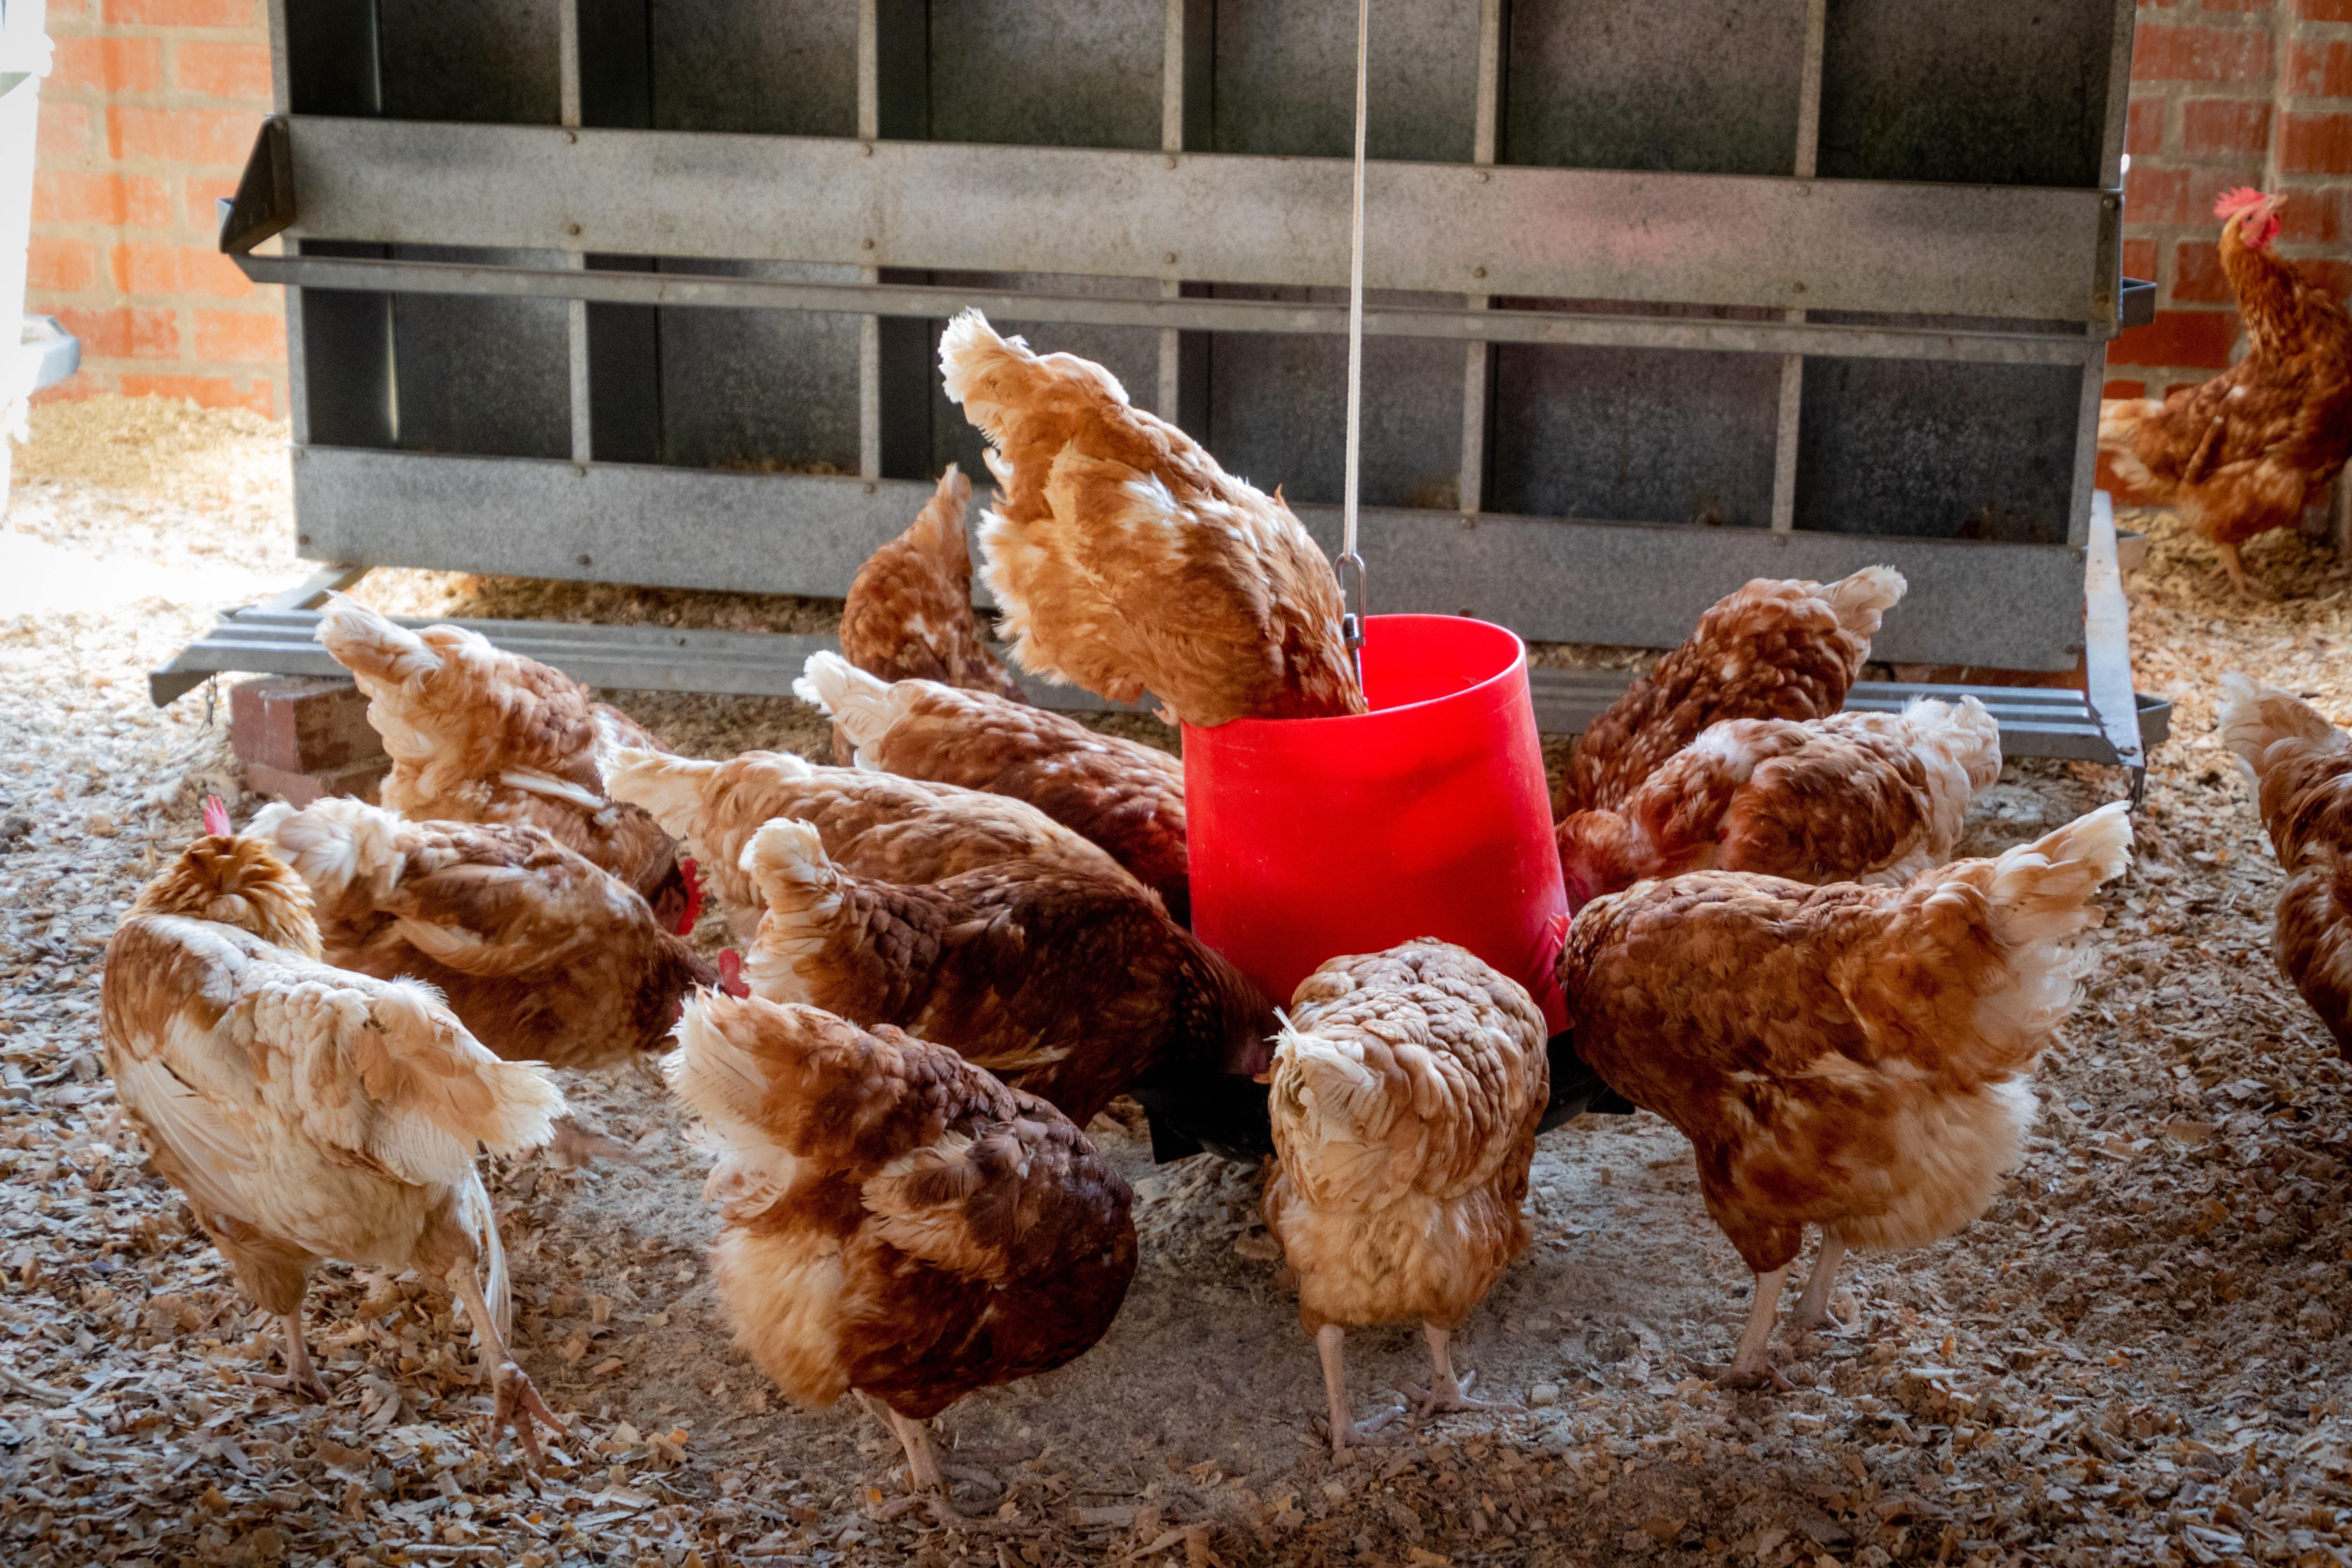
(2249, 450)
(908, 614)
(2299, 764)
(1856, 1058)
(1068, 986)
(874, 824)
(1406, 1090)
(476, 734)
(544, 957)
(893, 1220)
(1125, 797)
(308, 1113)
(1854, 798)
(1773, 650)
(1126, 561)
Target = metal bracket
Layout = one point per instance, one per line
(263, 203)
(2106, 645)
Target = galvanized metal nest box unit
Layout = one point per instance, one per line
(1663, 298)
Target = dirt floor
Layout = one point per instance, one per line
(2136, 1356)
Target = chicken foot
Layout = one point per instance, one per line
(1446, 1391)
(298, 1370)
(1813, 1306)
(516, 1402)
(926, 1477)
(1344, 1432)
(1748, 1367)
(2234, 570)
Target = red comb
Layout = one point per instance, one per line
(216, 821)
(2235, 202)
(691, 875)
(731, 974)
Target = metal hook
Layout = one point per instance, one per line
(1350, 569)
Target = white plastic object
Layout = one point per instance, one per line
(24, 52)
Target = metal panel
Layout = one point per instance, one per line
(760, 390)
(1286, 78)
(1082, 75)
(1830, 244)
(1707, 86)
(781, 67)
(481, 374)
(1937, 451)
(469, 59)
(786, 533)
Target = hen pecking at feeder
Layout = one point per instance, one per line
(1127, 562)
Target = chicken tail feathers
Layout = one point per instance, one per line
(1859, 600)
(939, 525)
(2119, 419)
(333, 843)
(670, 787)
(2255, 719)
(865, 706)
(786, 860)
(2040, 892)
(368, 644)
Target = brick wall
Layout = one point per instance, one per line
(146, 118)
(2225, 93)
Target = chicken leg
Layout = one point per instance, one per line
(926, 1477)
(516, 1401)
(1345, 1432)
(1813, 1306)
(2234, 570)
(299, 1371)
(1748, 1367)
(1446, 1391)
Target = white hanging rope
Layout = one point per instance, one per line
(1350, 565)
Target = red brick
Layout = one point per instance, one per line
(301, 724)
(2139, 258)
(2196, 275)
(64, 266)
(2225, 127)
(210, 391)
(203, 192)
(66, 11)
(299, 790)
(2200, 338)
(2172, 52)
(2315, 144)
(2320, 70)
(67, 133)
(70, 196)
(2145, 131)
(2154, 194)
(238, 336)
(125, 331)
(224, 71)
(2325, 10)
(108, 65)
(159, 269)
(2124, 389)
(2237, 5)
(2312, 216)
(182, 13)
(217, 136)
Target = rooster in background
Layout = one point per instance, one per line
(874, 824)
(2249, 450)
(308, 1113)
(1124, 795)
(1068, 986)
(1856, 1058)
(476, 734)
(1406, 1089)
(1772, 649)
(1127, 560)
(895, 1220)
(1854, 798)
(2299, 764)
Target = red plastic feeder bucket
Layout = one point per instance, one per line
(1428, 817)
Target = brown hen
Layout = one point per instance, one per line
(874, 824)
(1126, 561)
(1068, 986)
(2300, 764)
(1406, 1090)
(545, 957)
(895, 1220)
(1773, 650)
(308, 1113)
(2249, 450)
(476, 734)
(1856, 1058)
(909, 612)
(1124, 795)
(1854, 798)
